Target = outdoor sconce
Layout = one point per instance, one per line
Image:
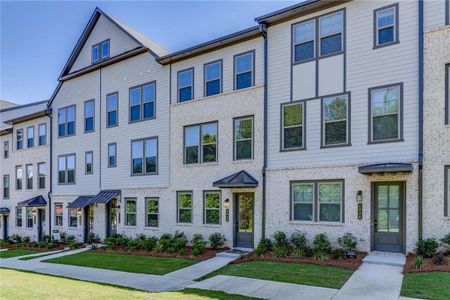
(359, 196)
(226, 205)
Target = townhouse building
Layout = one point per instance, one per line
(24, 167)
(328, 116)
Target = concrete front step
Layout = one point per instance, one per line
(386, 258)
(235, 253)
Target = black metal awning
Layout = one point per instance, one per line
(80, 202)
(104, 196)
(241, 179)
(34, 202)
(386, 168)
(4, 211)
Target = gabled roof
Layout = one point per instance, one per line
(19, 113)
(33, 202)
(144, 42)
(240, 179)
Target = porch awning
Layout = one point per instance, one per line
(80, 202)
(34, 202)
(386, 168)
(4, 211)
(104, 196)
(241, 179)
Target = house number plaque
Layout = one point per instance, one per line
(359, 211)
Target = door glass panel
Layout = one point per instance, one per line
(383, 196)
(394, 218)
(383, 225)
(245, 213)
(394, 196)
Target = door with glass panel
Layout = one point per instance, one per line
(244, 220)
(114, 217)
(388, 216)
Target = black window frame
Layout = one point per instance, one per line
(147, 213)
(42, 138)
(192, 71)
(235, 141)
(447, 12)
(19, 187)
(72, 217)
(400, 114)
(295, 43)
(66, 170)
(29, 180)
(86, 171)
(201, 144)
(205, 208)
(130, 199)
(29, 217)
(87, 102)
(19, 142)
(59, 219)
(316, 200)
(144, 157)
(235, 74)
(100, 56)
(66, 123)
(142, 103)
(347, 120)
(6, 188)
(41, 176)
(19, 220)
(30, 140)
(108, 111)
(376, 30)
(205, 81)
(447, 92)
(115, 155)
(303, 125)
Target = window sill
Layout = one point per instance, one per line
(292, 149)
(309, 223)
(243, 161)
(212, 225)
(335, 146)
(386, 45)
(201, 164)
(152, 228)
(385, 141)
(129, 227)
(184, 224)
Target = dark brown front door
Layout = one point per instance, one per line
(388, 216)
(244, 220)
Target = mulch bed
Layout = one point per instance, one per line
(207, 254)
(427, 267)
(347, 263)
(37, 249)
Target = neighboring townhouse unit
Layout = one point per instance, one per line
(216, 139)
(110, 108)
(24, 164)
(436, 120)
(342, 121)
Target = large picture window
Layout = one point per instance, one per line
(212, 207)
(59, 214)
(335, 123)
(386, 115)
(304, 37)
(386, 26)
(200, 143)
(293, 136)
(186, 85)
(244, 76)
(130, 212)
(152, 209)
(142, 102)
(66, 169)
(317, 201)
(112, 109)
(243, 138)
(66, 121)
(144, 156)
(89, 112)
(213, 78)
(184, 207)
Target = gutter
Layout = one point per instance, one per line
(263, 30)
(420, 156)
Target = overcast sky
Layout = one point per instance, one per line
(37, 37)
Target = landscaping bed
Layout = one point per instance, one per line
(347, 263)
(36, 249)
(207, 253)
(16, 242)
(430, 255)
(428, 265)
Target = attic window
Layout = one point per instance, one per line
(100, 52)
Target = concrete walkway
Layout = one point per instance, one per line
(264, 289)
(200, 269)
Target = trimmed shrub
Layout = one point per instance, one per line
(73, 245)
(110, 243)
(281, 246)
(180, 245)
(299, 253)
(321, 247)
(298, 240)
(427, 247)
(340, 253)
(150, 243)
(217, 240)
(198, 244)
(348, 242)
(166, 241)
(264, 246)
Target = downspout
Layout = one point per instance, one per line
(100, 132)
(49, 195)
(420, 179)
(263, 30)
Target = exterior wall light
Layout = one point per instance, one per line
(359, 197)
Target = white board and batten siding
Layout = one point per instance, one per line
(365, 68)
(227, 56)
(119, 42)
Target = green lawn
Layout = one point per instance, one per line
(315, 275)
(14, 253)
(50, 287)
(432, 285)
(124, 262)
